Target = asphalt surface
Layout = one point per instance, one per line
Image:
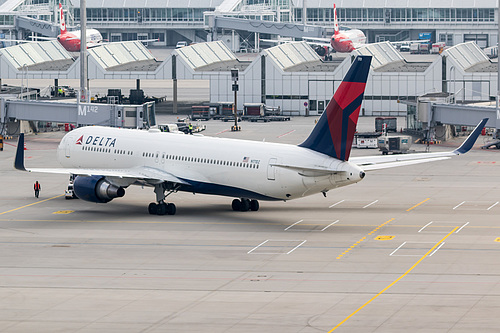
(407, 249)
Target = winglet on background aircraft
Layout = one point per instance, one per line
(107, 160)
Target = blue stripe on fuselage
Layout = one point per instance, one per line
(224, 190)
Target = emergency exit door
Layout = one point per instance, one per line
(271, 169)
(67, 148)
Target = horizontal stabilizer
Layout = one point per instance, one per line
(370, 163)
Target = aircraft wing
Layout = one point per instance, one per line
(317, 39)
(140, 173)
(43, 38)
(369, 163)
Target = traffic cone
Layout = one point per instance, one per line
(25, 146)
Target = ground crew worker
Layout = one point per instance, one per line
(190, 128)
(37, 188)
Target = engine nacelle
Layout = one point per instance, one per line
(96, 189)
(320, 50)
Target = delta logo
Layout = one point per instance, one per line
(97, 141)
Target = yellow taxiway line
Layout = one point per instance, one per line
(31, 204)
(395, 281)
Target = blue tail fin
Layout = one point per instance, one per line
(334, 132)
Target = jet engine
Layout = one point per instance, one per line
(320, 50)
(96, 189)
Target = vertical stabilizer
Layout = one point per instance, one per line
(335, 21)
(62, 23)
(334, 132)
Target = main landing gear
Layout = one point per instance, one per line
(244, 205)
(162, 208)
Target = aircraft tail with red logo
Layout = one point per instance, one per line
(62, 22)
(334, 133)
(335, 21)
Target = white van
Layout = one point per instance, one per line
(180, 44)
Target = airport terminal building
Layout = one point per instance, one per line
(450, 21)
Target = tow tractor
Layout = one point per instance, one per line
(70, 193)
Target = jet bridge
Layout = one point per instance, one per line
(80, 114)
(44, 28)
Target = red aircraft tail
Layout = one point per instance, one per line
(335, 21)
(334, 133)
(62, 23)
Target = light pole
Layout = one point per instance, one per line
(83, 52)
(234, 76)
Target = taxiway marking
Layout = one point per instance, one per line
(364, 238)
(421, 202)
(328, 226)
(335, 204)
(222, 132)
(372, 203)
(285, 134)
(293, 225)
(31, 204)
(432, 250)
(496, 203)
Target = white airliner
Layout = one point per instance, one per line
(108, 160)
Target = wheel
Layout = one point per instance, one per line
(236, 205)
(171, 209)
(254, 205)
(245, 205)
(152, 208)
(161, 209)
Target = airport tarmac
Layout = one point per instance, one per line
(407, 249)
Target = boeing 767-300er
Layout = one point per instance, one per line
(108, 160)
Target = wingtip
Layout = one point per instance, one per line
(19, 160)
(471, 139)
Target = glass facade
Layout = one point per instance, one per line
(348, 15)
(144, 15)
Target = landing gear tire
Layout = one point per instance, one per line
(254, 205)
(236, 205)
(171, 209)
(161, 209)
(244, 205)
(153, 208)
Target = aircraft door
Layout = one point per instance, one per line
(67, 147)
(271, 169)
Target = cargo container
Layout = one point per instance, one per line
(399, 144)
(391, 124)
(200, 112)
